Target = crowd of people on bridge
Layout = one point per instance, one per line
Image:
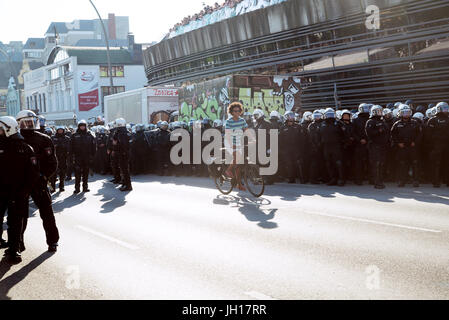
(399, 142)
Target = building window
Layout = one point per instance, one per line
(54, 73)
(28, 102)
(117, 71)
(106, 91)
(40, 103)
(44, 102)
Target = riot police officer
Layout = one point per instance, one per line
(112, 149)
(261, 124)
(331, 136)
(62, 149)
(361, 143)
(163, 150)
(316, 154)
(438, 130)
(121, 141)
(289, 146)
(45, 152)
(377, 134)
(16, 183)
(83, 150)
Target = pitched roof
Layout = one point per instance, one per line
(101, 43)
(34, 43)
(65, 27)
(98, 56)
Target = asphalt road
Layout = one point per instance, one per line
(178, 238)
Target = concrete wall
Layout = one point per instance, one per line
(285, 16)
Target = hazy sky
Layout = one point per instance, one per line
(149, 20)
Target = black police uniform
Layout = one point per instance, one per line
(16, 184)
(114, 157)
(378, 137)
(289, 141)
(163, 152)
(438, 130)
(121, 140)
(262, 124)
(83, 150)
(62, 149)
(316, 153)
(304, 156)
(409, 133)
(361, 150)
(332, 136)
(101, 156)
(45, 152)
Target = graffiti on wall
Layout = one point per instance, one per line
(210, 99)
(205, 100)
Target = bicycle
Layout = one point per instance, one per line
(250, 173)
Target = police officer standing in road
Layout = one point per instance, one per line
(438, 131)
(406, 136)
(121, 140)
(289, 146)
(16, 183)
(332, 136)
(83, 150)
(45, 152)
(361, 143)
(378, 137)
(62, 149)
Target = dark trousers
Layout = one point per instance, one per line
(377, 159)
(360, 163)
(333, 157)
(438, 158)
(42, 199)
(61, 173)
(124, 170)
(407, 157)
(115, 166)
(81, 173)
(18, 210)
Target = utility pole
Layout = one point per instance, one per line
(107, 51)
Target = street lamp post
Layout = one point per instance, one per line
(107, 50)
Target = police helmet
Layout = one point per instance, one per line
(42, 121)
(218, 124)
(120, 123)
(339, 114)
(405, 112)
(307, 116)
(247, 116)
(289, 116)
(82, 123)
(164, 125)
(388, 114)
(376, 111)
(317, 115)
(418, 115)
(397, 104)
(429, 113)
(9, 126)
(274, 115)
(258, 114)
(49, 131)
(364, 108)
(27, 119)
(346, 112)
(442, 107)
(329, 113)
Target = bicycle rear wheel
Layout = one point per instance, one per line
(224, 184)
(254, 181)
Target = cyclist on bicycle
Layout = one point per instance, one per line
(235, 125)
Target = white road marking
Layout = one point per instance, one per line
(101, 235)
(372, 221)
(259, 296)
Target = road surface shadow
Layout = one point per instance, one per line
(70, 202)
(112, 197)
(14, 279)
(251, 208)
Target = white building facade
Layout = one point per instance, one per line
(73, 85)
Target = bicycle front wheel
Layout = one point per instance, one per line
(224, 184)
(254, 181)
